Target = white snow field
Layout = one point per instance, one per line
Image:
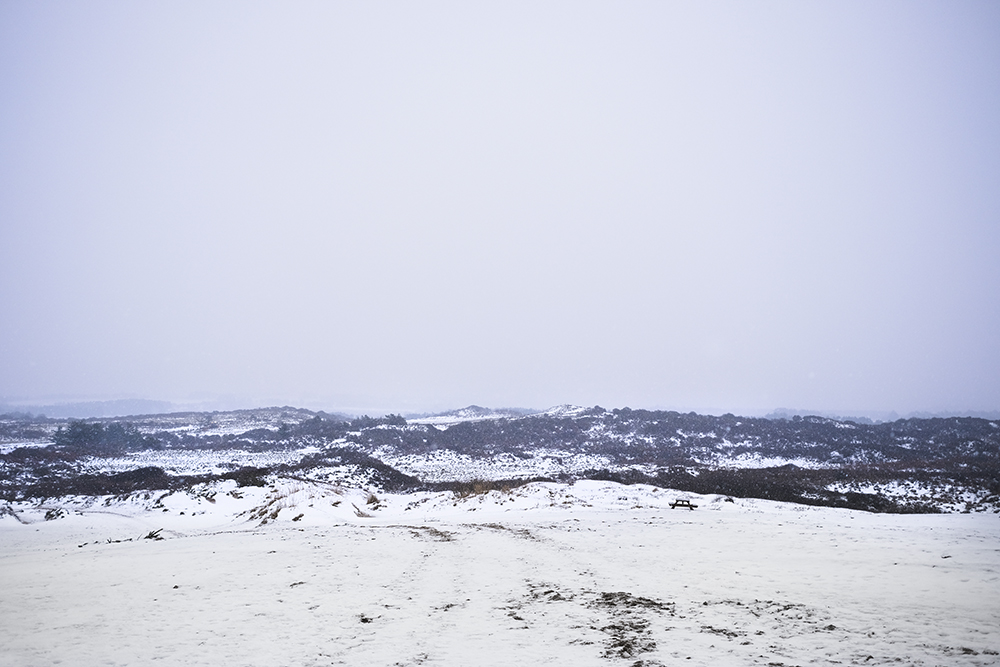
(304, 574)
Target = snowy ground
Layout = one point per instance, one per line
(445, 465)
(590, 574)
(195, 461)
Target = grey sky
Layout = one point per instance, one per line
(406, 206)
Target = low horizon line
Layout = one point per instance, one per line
(36, 407)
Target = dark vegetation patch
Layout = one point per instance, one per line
(118, 484)
(628, 638)
(945, 455)
(52, 481)
(626, 621)
(785, 484)
(621, 600)
(478, 487)
(629, 632)
(666, 438)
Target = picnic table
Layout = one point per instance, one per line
(682, 503)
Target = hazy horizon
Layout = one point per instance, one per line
(122, 408)
(712, 207)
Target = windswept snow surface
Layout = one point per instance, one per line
(305, 573)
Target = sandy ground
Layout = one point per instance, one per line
(479, 583)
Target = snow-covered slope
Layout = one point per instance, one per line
(594, 573)
(471, 413)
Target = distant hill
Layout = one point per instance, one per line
(949, 464)
(89, 409)
(470, 413)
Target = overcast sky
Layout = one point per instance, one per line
(422, 205)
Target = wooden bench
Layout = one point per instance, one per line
(682, 503)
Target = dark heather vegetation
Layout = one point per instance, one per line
(689, 452)
(51, 482)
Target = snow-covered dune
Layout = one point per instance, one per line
(589, 574)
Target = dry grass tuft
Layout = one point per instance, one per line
(480, 487)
